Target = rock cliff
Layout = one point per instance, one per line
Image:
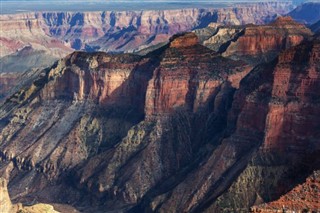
(7, 207)
(56, 32)
(288, 149)
(5, 202)
(257, 44)
(180, 129)
(36, 40)
(303, 197)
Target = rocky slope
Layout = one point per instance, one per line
(181, 129)
(35, 40)
(289, 150)
(304, 197)
(5, 202)
(120, 31)
(256, 44)
(307, 13)
(7, 207)
(87, 113)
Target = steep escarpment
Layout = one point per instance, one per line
(48, 36)
(123, 30)
(23, 30)
(180, 129)
(303, 197)
(93, 120)
(7, 207)
(257, 44)
(289, 148)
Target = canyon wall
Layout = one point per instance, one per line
(56, 32)
(253, 43)
(36, 40)
(181, 129)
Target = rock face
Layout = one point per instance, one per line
(180, 129)
(304, 197)
(285, 92)
(257, 44)
(7, 207)
(26, 30)
(97, 104)
(36, 40)
(56, 32)
(308, 13)
(5, 202)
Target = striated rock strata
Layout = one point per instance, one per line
(56, 32)
(304, 197)
(257, 44)
(180, 129)
(36, 40)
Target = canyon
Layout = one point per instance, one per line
(223, 135)
(37, 40)
(193, 110)
(120, 31)
(254, 43)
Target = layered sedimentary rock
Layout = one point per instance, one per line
(120, 31)
(180, 129)
(304, 197)
(18, 32)
(258, 43)
(285, 92)
(86, 113)
(34, 40)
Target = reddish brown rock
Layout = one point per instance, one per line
(256, 44)
(188, 75)
(56, 32)
(303, 198)
(181, 129)
(261, 41)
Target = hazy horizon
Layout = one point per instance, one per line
(18, 6)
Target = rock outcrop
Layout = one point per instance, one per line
(285, 92)
(87, 114)
(56, 32)
(257, 44)
(303, 198)
(35, 40)
(5, 202)
(180, 129)
(7, 207)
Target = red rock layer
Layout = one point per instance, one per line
(296, 79)
(303, 198)
(17, 33)
(279, 35)
(188, 75)
(118, 31)
(164, 132)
